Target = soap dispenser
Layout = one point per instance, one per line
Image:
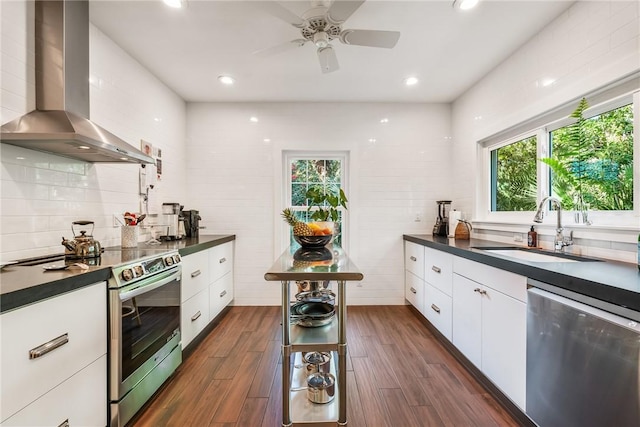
(532, 238)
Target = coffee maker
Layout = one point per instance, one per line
(192, 223)
(171, 213)
(441, 227)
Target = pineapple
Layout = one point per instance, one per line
(299, 228)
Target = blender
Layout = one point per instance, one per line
(441, 227)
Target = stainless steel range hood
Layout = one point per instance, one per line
(60, 124)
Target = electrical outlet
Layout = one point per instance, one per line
(418, 218)
(517, 237)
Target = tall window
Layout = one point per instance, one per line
(324, 172)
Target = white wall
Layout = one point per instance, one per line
(591, 44)
(235, 181)
(41, 194)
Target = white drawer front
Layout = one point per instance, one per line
(438, 309)
(82, 400)
(414, 258)
(414, 291)
(195, 274)
(80, 316)
(194, 316)
(506, 282)
(221, 259)
(438, 268)
(220, 294)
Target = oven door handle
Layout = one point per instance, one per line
(149, 285)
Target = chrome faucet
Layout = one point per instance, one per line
(560, 241)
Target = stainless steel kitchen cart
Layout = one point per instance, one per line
(297, 410)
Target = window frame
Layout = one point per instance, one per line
(627, 218)
(289, 156)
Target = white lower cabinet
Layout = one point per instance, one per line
(207, 288)
(414, 290)
(437, 309)
(194, 316)
(220, 294)
(50, 344)
(80, 401)
(489, 328)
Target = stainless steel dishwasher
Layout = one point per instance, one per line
(582, 361)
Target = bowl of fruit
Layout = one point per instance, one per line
(309, 235)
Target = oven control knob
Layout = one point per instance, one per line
(176, 258)
(168, 261)
(127, 274)
(138, 270)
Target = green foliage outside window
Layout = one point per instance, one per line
(592, 160)
(514, 172)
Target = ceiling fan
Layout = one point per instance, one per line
(322, 23)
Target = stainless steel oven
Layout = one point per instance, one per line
(144, 331)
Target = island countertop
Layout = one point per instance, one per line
(327, 263)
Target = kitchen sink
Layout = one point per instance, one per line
(533, 255)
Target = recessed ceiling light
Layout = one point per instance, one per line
(410, 81)
(372, 140)
(157, 119)
(83, 147)
(465, 4)
(20, 158)
(176, 4)
(253, 119)
(124, 158)
(385, 120)
(548, 82)
(266, 140)
(226, 80)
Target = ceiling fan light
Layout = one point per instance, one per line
(321, 39)
(465, 4)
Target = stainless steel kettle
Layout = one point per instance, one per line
(82, 245)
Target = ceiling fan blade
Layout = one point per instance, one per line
(276, 9)
(328, 59)
(341, 10)
(372, 38)
(279, 48)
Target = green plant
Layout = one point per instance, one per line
(570, 171)
(323, 204)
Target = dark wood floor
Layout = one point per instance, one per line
(397, 374)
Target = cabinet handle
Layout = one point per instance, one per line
(223, 293)
(45, 348)
(222, 260)
(196, 273)
(65, 423)
(483, 292)
(196, 316)
(412, 289)
(436, 269)
(412, 258)
(435, 308)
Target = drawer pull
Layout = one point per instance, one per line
(222, 260)
(436, 269)
(412, 258)
(65, 423)
(45, 348)
(196, 316)
(435, 308)
(412, 289)
(223, 293)
(196, 273)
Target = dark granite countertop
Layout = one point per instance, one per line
(605, 280)
(23, 285)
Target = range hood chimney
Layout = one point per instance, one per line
(60, 123)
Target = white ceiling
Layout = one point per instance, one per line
(447, 49)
